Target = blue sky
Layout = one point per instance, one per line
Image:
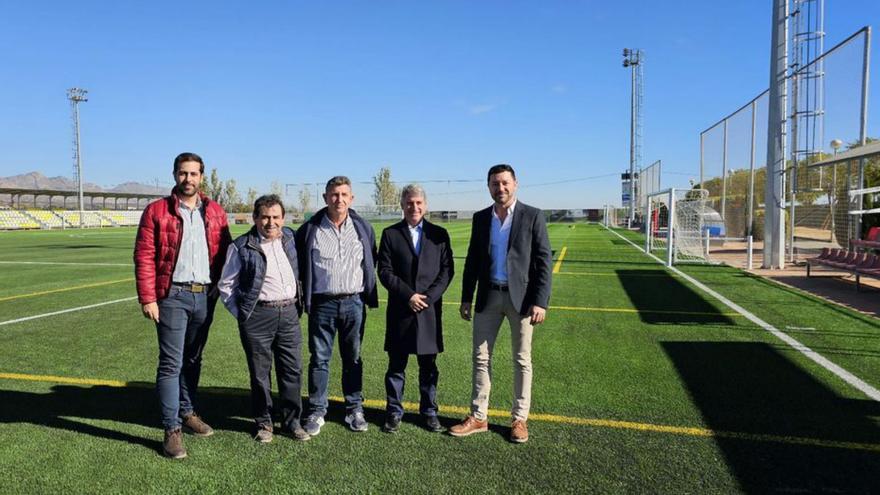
(300, 91)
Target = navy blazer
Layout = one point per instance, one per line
(405, 273)
(529, 259)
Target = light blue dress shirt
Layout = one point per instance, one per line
(415, 234)
(192, 260)
(499, 238)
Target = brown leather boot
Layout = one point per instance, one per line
(172, 446)
(519, 431)
(194, 424)
(264, 433)
(469, 426)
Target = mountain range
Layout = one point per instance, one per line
(36, 180)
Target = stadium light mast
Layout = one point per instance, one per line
(77, 95)
(632, 58)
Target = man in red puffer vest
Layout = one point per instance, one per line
(178, 257)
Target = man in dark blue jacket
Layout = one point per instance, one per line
(260, 287)
(337, 253)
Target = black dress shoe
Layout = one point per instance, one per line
(392, 424)
(433, 424)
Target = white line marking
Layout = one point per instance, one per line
(62, 263)
(71, 310)
(819, 359)
(788, 327)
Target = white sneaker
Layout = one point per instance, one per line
(313, 424)
(356, 421)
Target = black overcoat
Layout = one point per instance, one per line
(404, 273)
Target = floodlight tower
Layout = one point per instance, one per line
(77, 95)
(807, 42)
(632, 58)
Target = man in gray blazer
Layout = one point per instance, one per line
(509, 264)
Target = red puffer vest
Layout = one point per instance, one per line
(158, 244)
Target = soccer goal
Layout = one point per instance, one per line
(675, 225)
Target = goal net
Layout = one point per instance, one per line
(676, 225)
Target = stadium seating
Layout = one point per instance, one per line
(47, 218)
(14, 219)
(858, 264)
(124, 218)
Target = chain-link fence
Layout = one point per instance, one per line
(733, 155)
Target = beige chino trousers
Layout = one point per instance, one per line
(487, 323)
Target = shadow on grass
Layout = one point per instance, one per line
(753, 388)
(663, 299)
(831, 288)
(223, 408)
(134, 404)
(82, 246)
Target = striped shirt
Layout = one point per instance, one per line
(337, 258)
(192, 260)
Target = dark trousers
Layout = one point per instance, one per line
(327, 318)
(274, 333)
(182, 331)
(395, 378)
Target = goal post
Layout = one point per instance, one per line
(675, 225)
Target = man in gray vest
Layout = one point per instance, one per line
(260, 287)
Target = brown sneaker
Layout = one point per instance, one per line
(519, 432)
(298, 433)
(264, 433)
(469, 426)
(194, 424)
(172, 446)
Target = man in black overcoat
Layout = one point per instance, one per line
(415, 265)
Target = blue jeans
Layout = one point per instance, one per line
(184, 320)
(327, 317)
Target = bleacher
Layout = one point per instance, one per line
(124, 218)
(14, 219)
(89, 219)
(47, 218)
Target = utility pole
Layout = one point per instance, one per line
(632, 58)
(77, 95)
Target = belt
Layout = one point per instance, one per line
(283, 303)
(499, 287)
(192, 287)
(331, 297)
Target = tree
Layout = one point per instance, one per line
(251, 197)
(213, 186)
(231, 196)
(385, 194)
(276, 188)
(305, 199)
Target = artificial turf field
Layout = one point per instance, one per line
(642, 383)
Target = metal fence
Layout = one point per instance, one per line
(733, 155)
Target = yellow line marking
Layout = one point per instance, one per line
(62, 379)
(625, 310)
(606, 274)
(539, 417)
(53, 291)
(644, 311)
(558, 264)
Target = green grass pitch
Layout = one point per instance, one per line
(642, 383)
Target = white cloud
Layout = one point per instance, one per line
(480, 109)
(559, 88)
